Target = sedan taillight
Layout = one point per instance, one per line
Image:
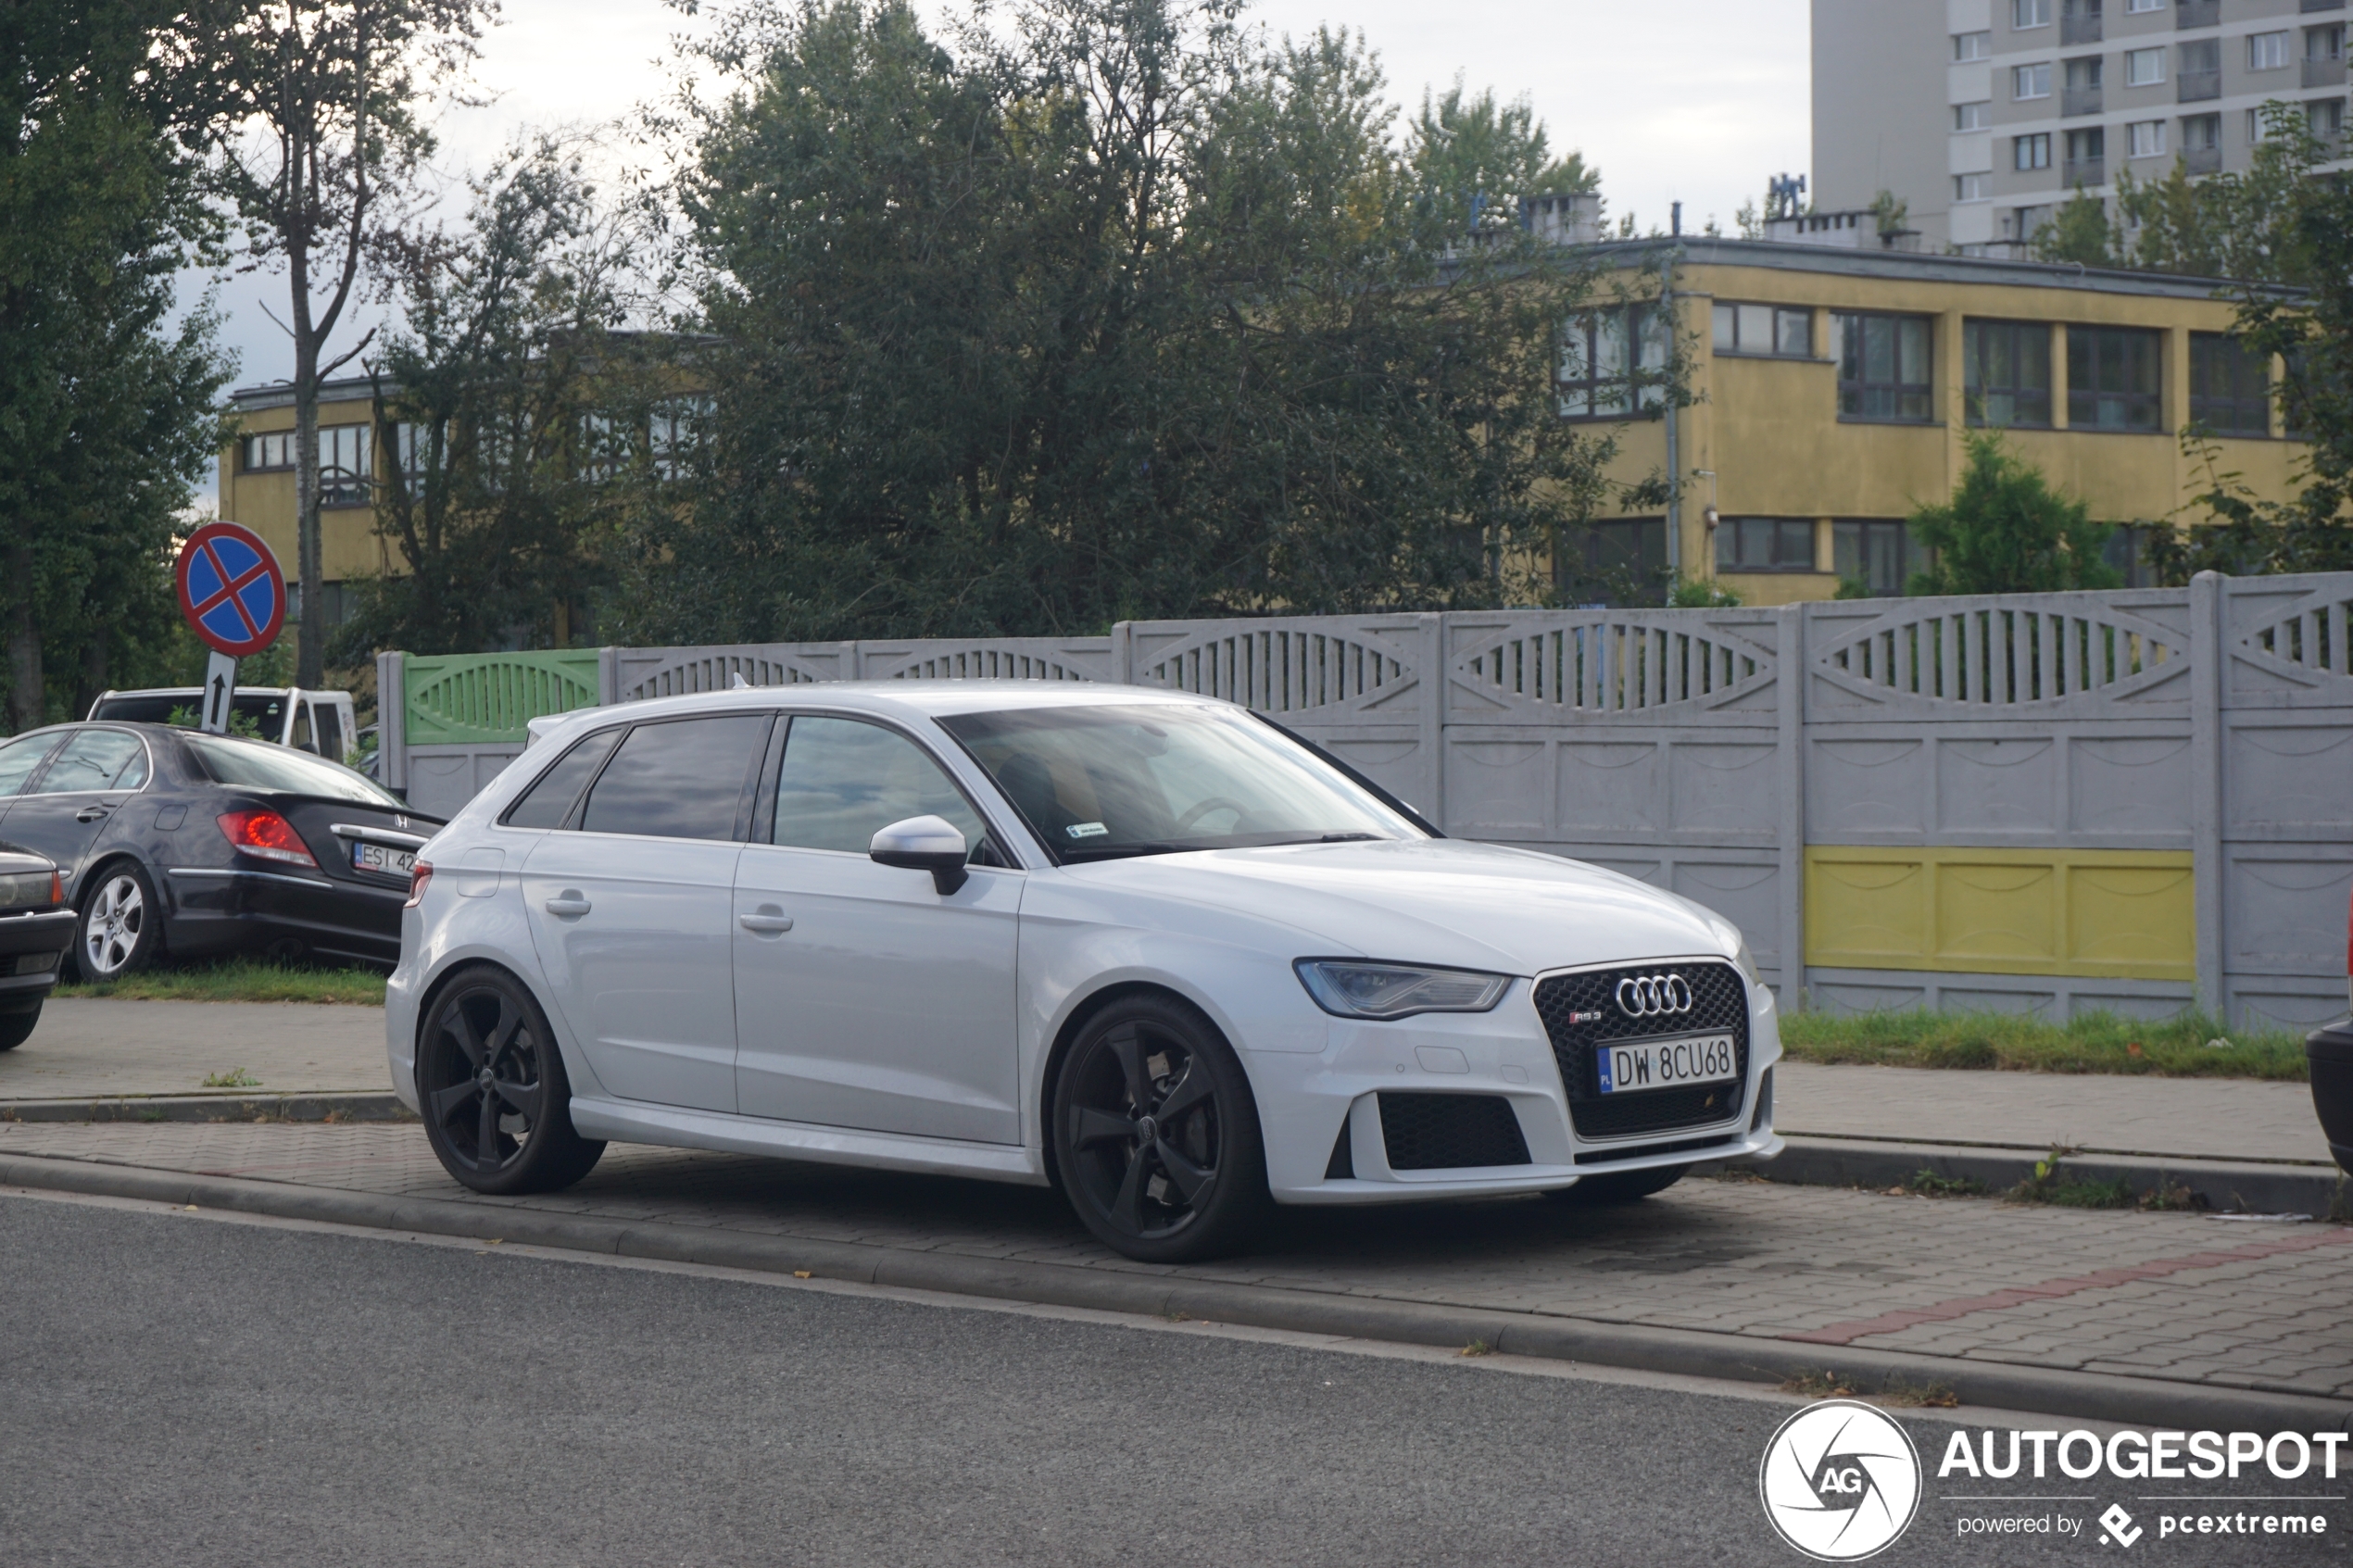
(419, 875)
(268, 836)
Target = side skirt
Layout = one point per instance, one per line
(629, 1122)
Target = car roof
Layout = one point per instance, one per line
(900, 699)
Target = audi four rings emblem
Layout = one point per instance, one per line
(1654, 996)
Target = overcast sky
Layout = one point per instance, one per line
(1691, 100)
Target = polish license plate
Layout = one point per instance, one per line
(382, 857)
(1667, 1064)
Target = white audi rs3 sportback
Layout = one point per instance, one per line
(1145, 947)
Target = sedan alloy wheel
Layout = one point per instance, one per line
(116, 935)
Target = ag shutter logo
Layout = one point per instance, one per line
(1840, 1481)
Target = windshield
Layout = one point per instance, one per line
(1100, 782)
(258, 765)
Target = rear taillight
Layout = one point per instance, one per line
(418, 876)
(267, 835)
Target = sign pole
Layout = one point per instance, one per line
(220, 692)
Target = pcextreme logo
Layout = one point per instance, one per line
(1840, 1480)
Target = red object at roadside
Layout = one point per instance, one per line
(267, 834)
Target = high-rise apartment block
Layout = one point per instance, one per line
(1984, 115)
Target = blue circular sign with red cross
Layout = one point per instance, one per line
(231, 589)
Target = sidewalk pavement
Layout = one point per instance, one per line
(2029, 1308)
(89, 1047)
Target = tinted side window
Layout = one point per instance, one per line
(18, 758)
(94, 759)
(683, 779)
(549, 802)
(843, 780)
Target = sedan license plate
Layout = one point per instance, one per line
(1667, 1064)
(382, 857)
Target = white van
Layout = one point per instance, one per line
(318, 723)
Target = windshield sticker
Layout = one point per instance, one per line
(1087, 830)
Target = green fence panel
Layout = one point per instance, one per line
(469, 698)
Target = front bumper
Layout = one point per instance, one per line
(2329, 1051)
(1321, 1114)
(30, 947)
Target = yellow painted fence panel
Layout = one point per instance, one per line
(2100, 913)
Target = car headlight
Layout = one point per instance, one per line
(1353, 989)
(31, 890)
(1745, 961)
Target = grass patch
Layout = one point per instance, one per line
(2096, 1042)
(1911, 1395)
(2051, 1183)
(1928, 1183)
(242, 980)
(235, 1078)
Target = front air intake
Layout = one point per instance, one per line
(1449, 1131)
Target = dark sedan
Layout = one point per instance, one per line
(171, 841)
(35, 927)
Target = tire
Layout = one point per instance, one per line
(16, 1028)
(120, 931)
(1130, 1140)
(1620, 1186)
(491, 1086)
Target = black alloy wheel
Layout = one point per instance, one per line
(1620, 1186)
(491, 1086)
(1156, 1136)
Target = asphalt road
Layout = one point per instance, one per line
(175, 1389)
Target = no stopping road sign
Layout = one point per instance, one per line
(231, 589)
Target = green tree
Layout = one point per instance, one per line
(2006, 531)
(106, 409)
(2238, 224)
(2311, 329)
(2079, 233)
(1474, 158)
(1110, 311)
(517, 416)
(317, 141)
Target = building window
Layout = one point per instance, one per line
(2030, 152)
(265, 453)
(2324, 45)
(2325, 118)
(2087, 74)
(2230, 388)
(2031, 81)
(1970, 46)
(1969, 188)
(2030, 12)
(2142, 7)
(2005, 372)
(681, 427)
(2202, 68)
(345, 471)
(1764, 329)
(2147, 138)
(2112, 378)
(1880, 553)
(2025, 222)
(1970, 116)
(1765, 544)
(2201, 132)
(2086, 146)
(2267, 51)
(2127, 552)
(2144, 68)
(1620, 561)
(1599, 378)
(1883, 367)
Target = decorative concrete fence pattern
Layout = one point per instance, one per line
(2059, 802)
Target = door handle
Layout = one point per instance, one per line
(90, 814)
(767, 921)
(567, 902)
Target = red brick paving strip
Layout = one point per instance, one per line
(1962, 1306)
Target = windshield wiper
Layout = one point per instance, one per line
(1350, 838)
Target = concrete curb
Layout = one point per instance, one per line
(323, 1106)
(2091, 1395)
(2227, 1186)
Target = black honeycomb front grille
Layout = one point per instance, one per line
(1580, 1012)
(1447, 1132)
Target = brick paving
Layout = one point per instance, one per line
(2170, 1297)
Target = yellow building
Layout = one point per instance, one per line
(1834, 386)
(257, 482)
